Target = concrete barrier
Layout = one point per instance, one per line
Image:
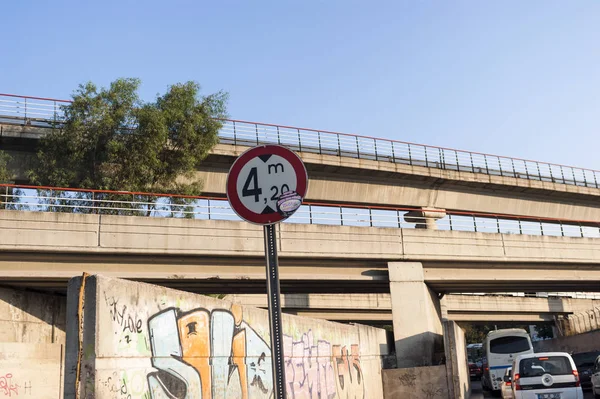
(31, 370)
(127, 339)
(457, 364)
(416, 383)
(588, 342)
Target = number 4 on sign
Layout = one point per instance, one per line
(255, 191)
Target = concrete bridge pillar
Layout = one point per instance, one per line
(418, 331)
(425, 218)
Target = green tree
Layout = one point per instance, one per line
(112, 140)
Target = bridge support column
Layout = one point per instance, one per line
(418, 331)
(425, 218)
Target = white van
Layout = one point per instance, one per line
(500, 348)
(550, 375)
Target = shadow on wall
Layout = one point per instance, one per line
(32, 317)
(425, 349)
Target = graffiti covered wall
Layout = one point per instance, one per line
(144, 341)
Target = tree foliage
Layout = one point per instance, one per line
(112, 140)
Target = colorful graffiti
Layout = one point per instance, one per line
(217, 355)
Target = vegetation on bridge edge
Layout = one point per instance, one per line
(112, 140)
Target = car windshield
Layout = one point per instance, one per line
(504, 345)
(538, 366)
(585, 359)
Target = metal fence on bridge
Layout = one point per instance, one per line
(82, 201)
(45, 112)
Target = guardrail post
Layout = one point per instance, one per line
(541, 227)
(370, 218)
(581, 229)
(339, 145)
(399, 219)
(500, 166)
(409, 155)
(526, 170)
(208, 207)
(310, 215)
(474, 223)
(574, 178)
(562, 173)
(25, 119)
(319, 137)
(520, 227)
(498, 224)
(512, 161)
(539, 171)
(299, 141)
(393, 153)
(425, 150)
(457, 161)
(472, 164)
(450, 221)
(562, 231)
(487, 170)
(234, 134)
(256, 128)
(375, 147)
(357, 147)
(341, 217)
(278, 137)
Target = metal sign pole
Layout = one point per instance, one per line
(274, 312)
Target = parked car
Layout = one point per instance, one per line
(506, 389)
(550, 375)
(596, 378)
(475, 371)
(585, 365)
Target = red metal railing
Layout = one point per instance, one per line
(86, 201)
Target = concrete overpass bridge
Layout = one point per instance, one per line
(377, 308)
(413, 267)
(543, 218)
(353, 169)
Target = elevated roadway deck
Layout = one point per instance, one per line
(377, 308)
(45, 249)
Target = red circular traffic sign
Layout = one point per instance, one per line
(258, 179)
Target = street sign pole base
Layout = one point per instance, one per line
(275, 322)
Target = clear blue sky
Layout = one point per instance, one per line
(517, 78)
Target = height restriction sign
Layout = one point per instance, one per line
(266, 184)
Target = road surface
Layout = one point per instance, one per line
(477, 393)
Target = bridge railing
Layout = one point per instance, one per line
(39, 111)
(81, 201)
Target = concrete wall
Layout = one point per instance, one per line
(31, 370)
(31, 317)
(416, 383)
(587, 342)
(148, 341)
(581, 322)
(32, 338)
(457, 365)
